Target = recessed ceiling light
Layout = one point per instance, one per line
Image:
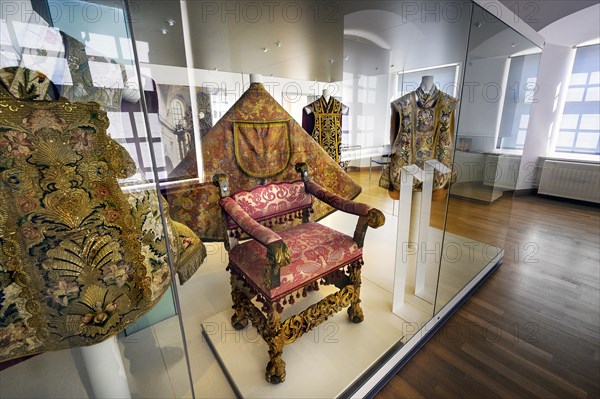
(513, 45)
(170, 22)
(164, 31)
(478, 24)
(215, 69)
(346, 58)
(331, 61)
(278, 43)
(265, 49)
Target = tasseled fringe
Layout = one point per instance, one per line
(290, 299)
(282, 219)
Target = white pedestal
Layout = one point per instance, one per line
(427, 271)
(404, 244)
(105, 370)
(414, 251)
(322, 363)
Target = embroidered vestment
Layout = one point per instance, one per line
(324, 124)
(255, 142)
(422, 128)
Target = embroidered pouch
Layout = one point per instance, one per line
(262, 149)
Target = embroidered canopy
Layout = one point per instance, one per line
(255, 142)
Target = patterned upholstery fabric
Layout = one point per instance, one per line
(268, 201)
(339, 203)
(271, 270)
(80, 259)
(239, 217)
(422, 128)
(197, 204)
(315, 250)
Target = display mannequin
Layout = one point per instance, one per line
(427, 83)
(326, 97)
(131, 91)
(256, 78)
(322, 119)
(422, 128)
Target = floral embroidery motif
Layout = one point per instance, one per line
(197, 204)
(327, 126)
(79, 259)
(262, 149)
(311, 242)
(424, 130)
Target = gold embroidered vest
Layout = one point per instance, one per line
(325, 125)
(422, 128)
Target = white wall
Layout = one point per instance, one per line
(285, 91)
(555, 67)
(482, 100)
(553, 80)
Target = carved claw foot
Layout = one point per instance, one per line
(276, 371)
(239, 323)
(355, 314)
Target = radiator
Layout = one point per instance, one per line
(575, 180)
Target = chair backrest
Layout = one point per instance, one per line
(273, 201)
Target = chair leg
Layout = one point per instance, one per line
(355, 312)
(275, 372)
(238, 320)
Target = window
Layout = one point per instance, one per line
(520, 91)
(580, 127)
(176, 112)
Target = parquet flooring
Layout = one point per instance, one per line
(532, 329)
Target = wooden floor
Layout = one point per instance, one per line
(532, 329)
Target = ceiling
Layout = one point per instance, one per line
(541, 13)
(305, 39)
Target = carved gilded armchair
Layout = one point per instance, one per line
(276, 268)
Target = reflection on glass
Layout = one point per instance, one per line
(499, 88)
(367, 54)
(114, 264)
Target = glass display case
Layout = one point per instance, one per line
(438, 91)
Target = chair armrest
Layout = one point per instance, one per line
(374, 216)
(260, 233)
(278, 254)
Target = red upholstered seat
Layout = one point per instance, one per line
(315, 250)
(290, 259)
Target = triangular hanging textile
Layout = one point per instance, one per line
(255, 142)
